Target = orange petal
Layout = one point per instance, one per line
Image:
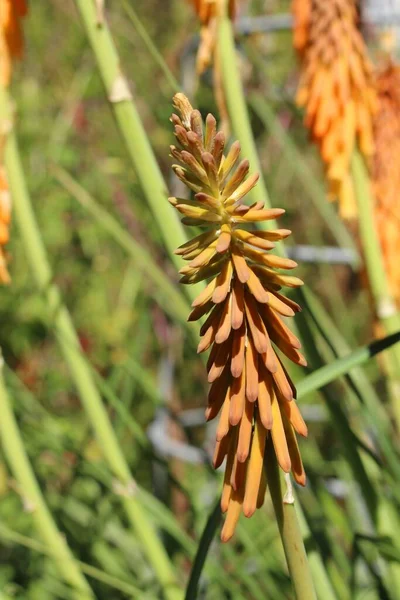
(254, 469)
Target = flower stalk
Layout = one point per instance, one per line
(129, 124)
(385, 305)
(290, 532)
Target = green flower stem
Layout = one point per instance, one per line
(385, 306)
(130, 125)
(60, 320)
(237, 108)
(134, 134)
(289, 529)
(322, 583)
(18, 460)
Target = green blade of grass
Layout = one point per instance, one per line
(166, 294)
(385, 306)
(14, 450)
(375, 412)
(8, 534)
(152, 49)
(342, 366)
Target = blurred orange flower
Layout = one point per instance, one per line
(336, 88)
(11, 46)
(11, 40)
(208, 11)
(386, 172)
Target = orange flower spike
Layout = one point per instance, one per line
(386, 171)
(336, 89)
(301, 10)
(250, 391)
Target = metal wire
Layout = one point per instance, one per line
(383, 14)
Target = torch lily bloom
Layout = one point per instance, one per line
(243, 310)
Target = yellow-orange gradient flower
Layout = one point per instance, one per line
(208, 11)
(11, 40)
(336, 88)
(244, 313)
(386, 172)
(11, 45)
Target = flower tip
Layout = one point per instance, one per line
(211, 121)
(301, 478)
(224, 504)
(226, 535)
(249, 509)
(181, 103)
(207, 157)
(242, 455)
(234, 418)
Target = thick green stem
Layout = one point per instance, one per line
(237, 108)
(385, 306)
(289, 529)
(133, 133)
(130, 126)
(61, 322)
(19, 462)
